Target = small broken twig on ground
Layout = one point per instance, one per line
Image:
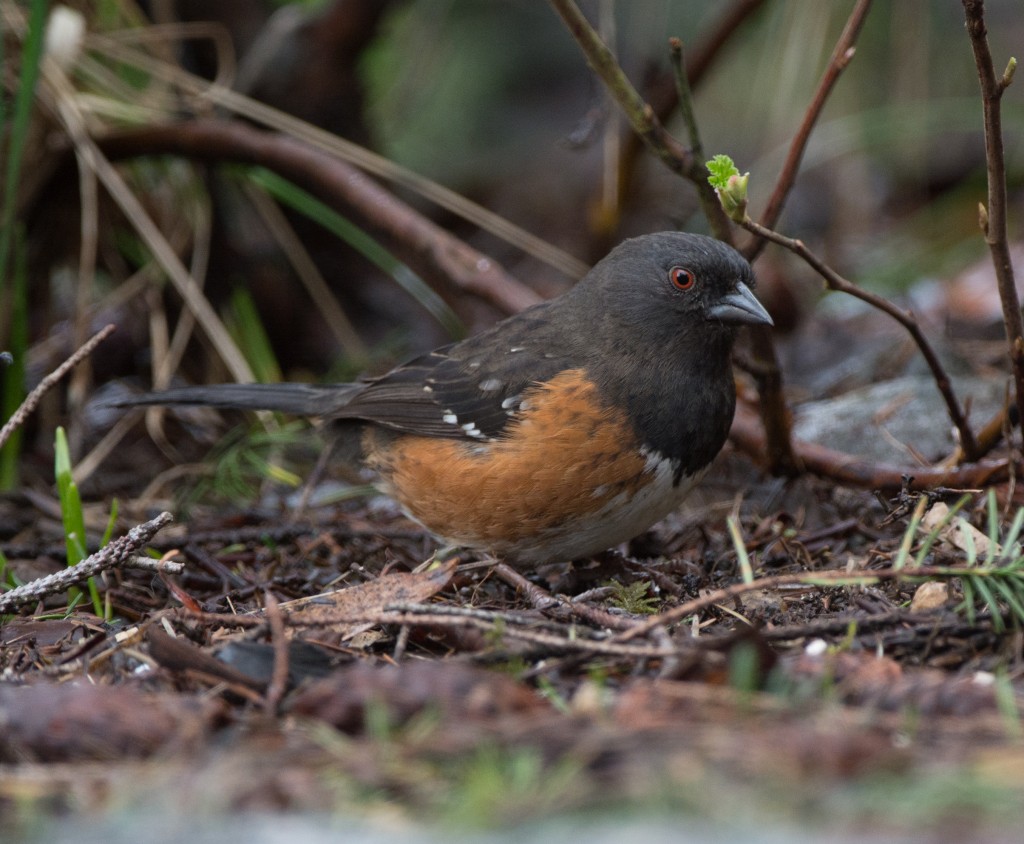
(117, 554)
(278, 684)
(44, 386)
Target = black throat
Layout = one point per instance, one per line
(681, 408)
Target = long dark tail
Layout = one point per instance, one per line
(298, 399)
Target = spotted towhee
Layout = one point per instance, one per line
(561, 431)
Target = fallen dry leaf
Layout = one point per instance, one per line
(338, 616)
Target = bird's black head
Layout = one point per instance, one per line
(660, 313)
(679, 281)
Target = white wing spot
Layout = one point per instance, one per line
(510, 404)
(472, 430)
(489, 385)
(518, 349)
(450, 418)
(657, 464)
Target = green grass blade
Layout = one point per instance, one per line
(6, 575)
(111, 524)
(247, 328)
(72, 515)
(970, 599)
(1011, 596)
(908, 536)
(739, 546)
(70, 502)
(303, 202)
(1006, 702)
(988, 597)
(1010, 539)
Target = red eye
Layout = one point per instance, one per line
(682, 279)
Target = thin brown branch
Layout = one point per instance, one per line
(834, 281)
(748, 436)
(841, 56)
(993, 217)
(421, 243)
(705, 193)
(44, 386)
(775, 417)
(278, 684)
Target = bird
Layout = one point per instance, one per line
(560, 432)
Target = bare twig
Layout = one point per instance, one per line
(115, 555)
(993, 216)
(775, 417)
(708, 200)
(164, 565)
(841, 56)
(44, 386)
(834, 281)
(685, 95)
(558, 608)
(278, 684)
(415, 238)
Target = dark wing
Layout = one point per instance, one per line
(469, 390)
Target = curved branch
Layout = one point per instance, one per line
(445, 258)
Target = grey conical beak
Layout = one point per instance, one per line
(740, 307)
